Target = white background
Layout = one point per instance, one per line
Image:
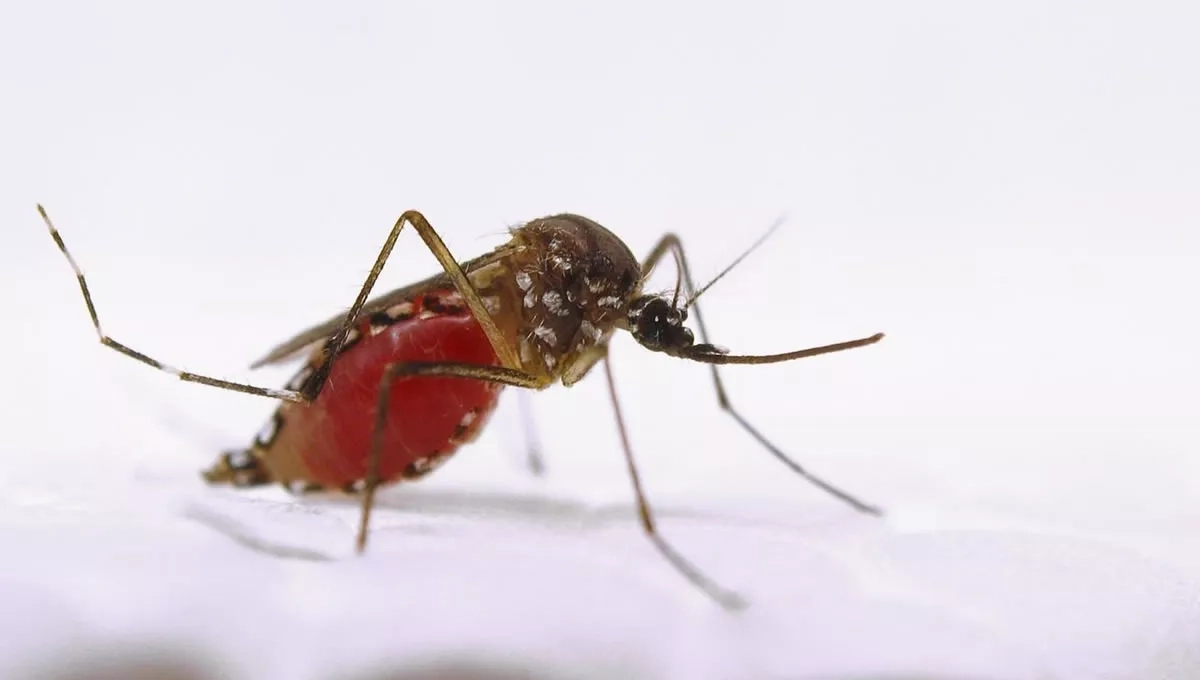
(1010, 192)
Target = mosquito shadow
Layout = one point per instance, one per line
(243, 535)
(464, 502)
(511, 505)
(525, 505)
(483, 506)
(488, 506)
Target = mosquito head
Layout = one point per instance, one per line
(659, 326)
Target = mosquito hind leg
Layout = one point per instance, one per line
(671, 244)
(313, 387)
(409, 369)
(186, 376)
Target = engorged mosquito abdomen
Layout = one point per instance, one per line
(428, 418)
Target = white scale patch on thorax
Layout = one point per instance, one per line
(524, 280)
(546, 335)
(553, 301)
(590, 330)
(526, 351)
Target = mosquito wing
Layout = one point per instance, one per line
(303, 341)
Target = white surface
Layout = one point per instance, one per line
(1009, 193)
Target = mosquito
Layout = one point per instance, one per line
(418, 370)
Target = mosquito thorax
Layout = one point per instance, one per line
(570, 282)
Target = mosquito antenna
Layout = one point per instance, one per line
(754, 246)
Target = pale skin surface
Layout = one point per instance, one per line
(527, 366)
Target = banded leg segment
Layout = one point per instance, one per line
(411, 369)
(671, 244)
(289, 395)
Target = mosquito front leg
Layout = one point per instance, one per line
(671, 243)
(409, 369)
(725, 598)
(289, 395)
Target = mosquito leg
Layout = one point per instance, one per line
(313, 387)
(408, 369)
(671, 243)
(534, 460)
(504, 350)
(289, 395)
(725, 598)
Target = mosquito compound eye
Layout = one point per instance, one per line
(647, 318)
(657, 325)
(650, 329)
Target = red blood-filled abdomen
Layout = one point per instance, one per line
(427, 417)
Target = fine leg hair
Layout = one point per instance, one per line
(671, 243)
(725, 598)
(313, 387)
(409, 369)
